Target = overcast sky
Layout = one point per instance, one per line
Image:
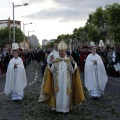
(51, 18)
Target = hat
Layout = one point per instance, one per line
(15, 46)
(92, 44)
(101, 43)
(62, 46)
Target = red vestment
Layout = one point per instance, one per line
(83, 56)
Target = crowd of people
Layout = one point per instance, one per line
(95, 62)
(28, 56)
(61, 68)
(110, 56)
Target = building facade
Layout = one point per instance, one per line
(33, 41)
(24, 45)
(52, 40)
(9, 23)
(44, 42)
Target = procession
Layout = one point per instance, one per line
(62, 85)
(64, 70)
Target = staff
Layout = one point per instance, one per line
(70, 47)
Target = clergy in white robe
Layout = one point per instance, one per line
(95, 75)
(54, 53)
(66, 90)
(15, 78)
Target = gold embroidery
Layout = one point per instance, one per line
(60, 60)
(56, 89)
(69, 90)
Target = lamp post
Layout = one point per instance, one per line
(29, 32)
(24, 31)
(14, 19)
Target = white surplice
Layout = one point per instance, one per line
(95, 75)
(15, 79)
(54, 53)
(62, 72)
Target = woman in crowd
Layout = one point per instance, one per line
(115, 60)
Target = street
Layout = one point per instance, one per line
(107, 108)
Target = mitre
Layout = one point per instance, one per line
(101, 43)
(62, 46)
(92, 44)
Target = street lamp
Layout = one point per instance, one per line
(24, 31)
(14, 19)
(29, 32)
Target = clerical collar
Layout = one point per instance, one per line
(16, 58)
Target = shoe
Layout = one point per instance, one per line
(95, 98)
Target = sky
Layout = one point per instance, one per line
(51, 18)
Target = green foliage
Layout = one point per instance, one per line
(49, 45)
(19, 35)
(113, 20)
(4, 37)
(98, 17)
(104, 24)
(65, 37)
(106, 108)
(93, 33)
(5, 34)
(101, 24)
(77, 32)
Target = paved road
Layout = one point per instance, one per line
(10, 110)
(113, 85)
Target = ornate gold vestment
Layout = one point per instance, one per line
(47, 94)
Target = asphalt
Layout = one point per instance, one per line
(10, 110)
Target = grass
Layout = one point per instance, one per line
(107, 108)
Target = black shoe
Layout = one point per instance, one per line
(17, 100)
(95, 98)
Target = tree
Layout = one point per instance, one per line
(101, 24)
(95, 26)
(106, 21)
(49, 45)
(4, 36)
(98, 18)
(113, 21)
(64, 37)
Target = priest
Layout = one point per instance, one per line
(61, 87)
(95, 75)
(15, 78)
(54, 53)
